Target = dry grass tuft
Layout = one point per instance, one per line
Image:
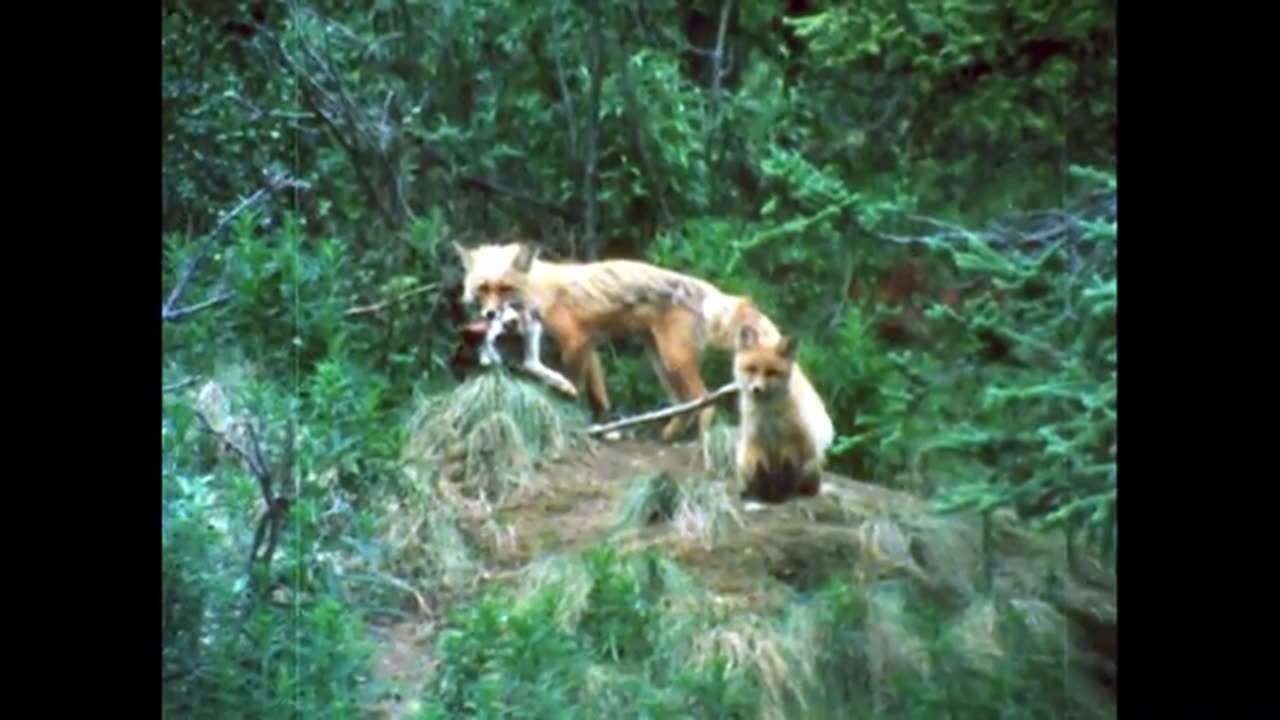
(492, 432)
(760, 647)
(469, 451)
(722, 442)
(699, 512)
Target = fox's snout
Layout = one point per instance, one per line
(491, 308)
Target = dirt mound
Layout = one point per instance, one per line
(749, 563)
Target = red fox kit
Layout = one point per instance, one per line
(785, 430)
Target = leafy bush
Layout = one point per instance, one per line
(267, 643)
(536, 655)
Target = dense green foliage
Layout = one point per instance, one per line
(541, 656)
(924, 193)
(609, 636)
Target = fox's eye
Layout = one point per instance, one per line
(750, 369)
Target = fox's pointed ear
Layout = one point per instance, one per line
(747, 337)
(463, 254)
(525, 254)
(788, 346)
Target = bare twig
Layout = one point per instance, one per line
(320, 102)
(170, 311)
(386, 118)
(655, 415)
(717, 73)
(1023, 231)
(272, 519)
(369, 139)
(942, 225)
(357, 129)
(175, 315)
(250, 456)
(375, 139)
(375, 307)
(174, 387)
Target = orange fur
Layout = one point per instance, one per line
(785, 429)
(581, 303)
(726, 316)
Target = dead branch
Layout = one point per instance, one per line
(366, 134)
(378, 306)
(1021, 232)
(169, 312)
(717, 73)
(357, 129)
(174, 387)
(175, 315)
(664, 413)
(271, 521)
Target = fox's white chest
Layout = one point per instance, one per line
(771, 429)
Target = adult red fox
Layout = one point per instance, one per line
(581, 303)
